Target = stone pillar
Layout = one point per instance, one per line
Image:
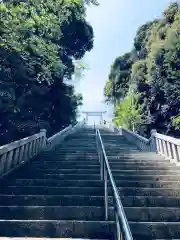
(101, 116)
(153, 140)
(86, 117)
(44, 141)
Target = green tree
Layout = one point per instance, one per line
(128, 114)
(154, 74)
(118, 84)
(39, 42)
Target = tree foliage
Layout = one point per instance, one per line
(117, 85)
(154, 74)
(39, 41)
(128, 114)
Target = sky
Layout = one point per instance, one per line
(115, 24)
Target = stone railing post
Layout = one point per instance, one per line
(153, 145)
(44, 139)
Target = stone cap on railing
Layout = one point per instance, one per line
(167, 138)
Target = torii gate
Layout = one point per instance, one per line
(95, 113)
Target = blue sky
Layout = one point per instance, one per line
(115, 24)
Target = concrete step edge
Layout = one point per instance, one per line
(58, 207)
(57, 221)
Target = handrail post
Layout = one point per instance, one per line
(153, 140)
(101, 165)
(44, 141)
(118, 228)
(105, 193)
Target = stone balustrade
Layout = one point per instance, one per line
(18, 152)
(168, 147)
(164, 145)
(14, 154)
(142, 143)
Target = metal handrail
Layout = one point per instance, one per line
(122, 225)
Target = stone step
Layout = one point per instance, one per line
(80, 143)
(155, 230)
(87, 213)
(82, 135)
(60, 176)
(78, 140)
(134, 191)
(87, 162)
(154, 177)
(66, 165)
(67, 158)
(152, 214)
(96, 191)
(121, 152)
(92, 183)
(78, 151)
(114, 141)
(120, 149)
(77, 146)
(37, 190)
(74, 155)
(113, 136)
(90, 136)
(117, 176)
(132, 160)
(148, 184)
(137, 156)
(29, 238)
(146, 172)
(54, 183)
(141, 164)
(74, 148)
(73, 142)
(38, 171)
(52, 200)
(121, 164)
(143, 167)
(57, 228)
(150, 201)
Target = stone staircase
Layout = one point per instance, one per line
(57, 194)
(149, 187)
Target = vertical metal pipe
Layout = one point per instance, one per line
(101, 163)
(105, 193)
(118, 229)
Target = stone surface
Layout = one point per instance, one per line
(60, 194)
